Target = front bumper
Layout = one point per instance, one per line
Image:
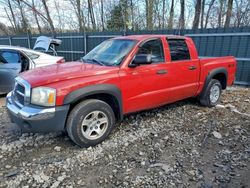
(32, 118)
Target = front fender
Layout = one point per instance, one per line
(83, 92)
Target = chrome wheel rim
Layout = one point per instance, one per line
(214, 93)
(94, 125)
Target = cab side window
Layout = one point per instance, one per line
(153, 48)
(178, 49)
(10, 56)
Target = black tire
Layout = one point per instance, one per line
(205, 98)
(80, 112)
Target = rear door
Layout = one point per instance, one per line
(10, 67)
(183, 68)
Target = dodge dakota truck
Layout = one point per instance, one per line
(120, 76)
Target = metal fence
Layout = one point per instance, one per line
(209, 43)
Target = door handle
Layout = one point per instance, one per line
(161, 72)
(192, 67)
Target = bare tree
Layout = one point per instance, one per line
(208, 12)
(48, 16)
(149, 13)
(34, 9)
(10, 20)
(197, 14)
(36, 17)
(102, 15)
(220, 13)
(241, 13)
(202, 12)
(163, 13)
(13, 18)
(91, 14)
(157, 17)
(59, 15)
(182, 15)
(171, 16)
(24, 20)
(77, 7)
(229, 13)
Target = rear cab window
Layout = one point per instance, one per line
(178, 49)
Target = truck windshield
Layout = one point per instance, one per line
(110, 52)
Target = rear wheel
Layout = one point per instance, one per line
(90, 122)
(211, 96)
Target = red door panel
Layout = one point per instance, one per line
(185, 78)
(144, 87)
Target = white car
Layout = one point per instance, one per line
(14, 60)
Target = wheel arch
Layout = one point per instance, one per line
(108, 93)
(219, 74)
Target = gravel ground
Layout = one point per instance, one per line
(178, 145)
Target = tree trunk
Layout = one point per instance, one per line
(163, 13)
(48, 17)
(124, 6)
(91, 13)
(157, 14)
(171, 16)
(220, 13)
(149, 14)
(57, 7)
(36, 18)
(182, 16)
(24, 20)
(229, 13)
(208, 12)
(13, 17)
(79, 15)
(197, 14)
(102, 16)
(202, 12)
(132, 14)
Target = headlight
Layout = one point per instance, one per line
(43, 96)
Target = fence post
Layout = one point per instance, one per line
(28, 40)
(10, 41)
(71, 47)
(85, 43)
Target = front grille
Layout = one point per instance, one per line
(19, 94)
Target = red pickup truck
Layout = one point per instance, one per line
(121, 75)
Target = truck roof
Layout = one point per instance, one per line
(144, 37)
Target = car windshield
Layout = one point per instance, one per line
(110, 52)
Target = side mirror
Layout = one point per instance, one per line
(141, 59)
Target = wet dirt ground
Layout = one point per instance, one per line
(178, 145)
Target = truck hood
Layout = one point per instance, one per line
(65, 71)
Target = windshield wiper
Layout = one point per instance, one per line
(95, 61)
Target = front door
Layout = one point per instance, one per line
(144, 86)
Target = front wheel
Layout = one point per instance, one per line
(90, 122)
(211, 96)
